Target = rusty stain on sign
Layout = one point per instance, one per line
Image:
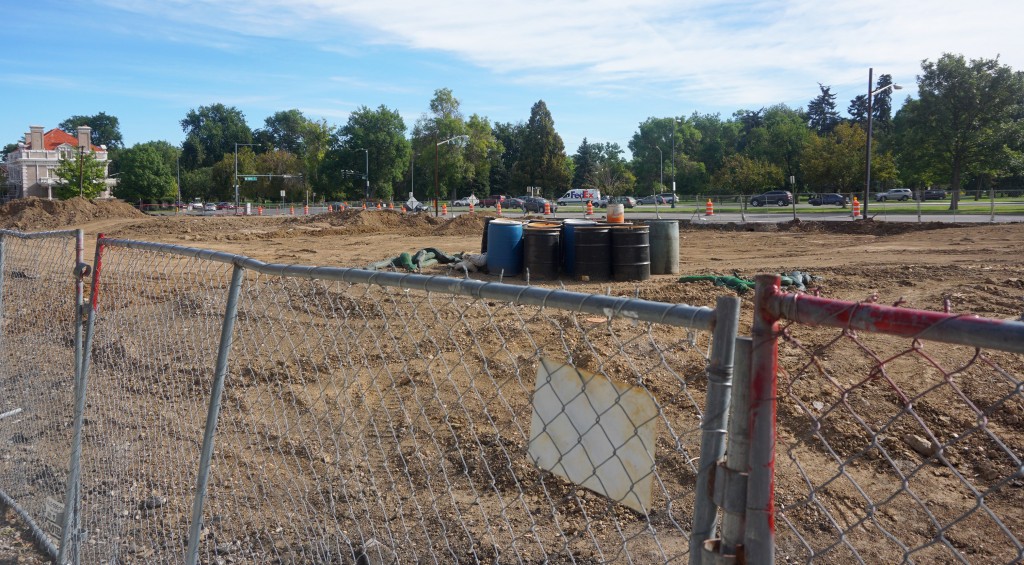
(594, 432)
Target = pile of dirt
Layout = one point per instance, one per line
(466, 224)
(353, 221)
(36, 214)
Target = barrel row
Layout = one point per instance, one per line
(585, 250)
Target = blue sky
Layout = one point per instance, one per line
(601, 66)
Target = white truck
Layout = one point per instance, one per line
(579, 196)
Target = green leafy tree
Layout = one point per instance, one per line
(316, 141)
(212, 132)
(511, 136)
(284, 130)
(718, 139)
(780, 140)
(836, 161)
(382, 133)
(968, 112)
(613, 175)
(81, 174)
(743, 175)
(822, 116)
(446, 166)
(482, 151)
(542, 161)
(144, 175)
(106, 129)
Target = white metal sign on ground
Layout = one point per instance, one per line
(594, 432)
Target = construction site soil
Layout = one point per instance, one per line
(963, 268)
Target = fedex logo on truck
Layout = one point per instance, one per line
(579, 196)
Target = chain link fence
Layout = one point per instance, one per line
(38, 336)
(357, 416)
(899, 435)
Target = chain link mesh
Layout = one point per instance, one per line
(154, 346)
(897, 450)
(365, 423)
(37, 362)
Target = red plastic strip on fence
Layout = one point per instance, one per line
(759, 538)
(961, 329)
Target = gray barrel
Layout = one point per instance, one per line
(541, 250)
(631, 253)
(664, 238)
(593, 248)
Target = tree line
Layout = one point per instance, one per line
(965, 129)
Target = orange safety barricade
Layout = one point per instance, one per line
(856, 208)
(547, 208)
(590, 208)
(709, 208)
(497, 206)
(470, 207)
(444, 209)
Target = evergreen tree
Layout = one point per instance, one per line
(822, 116)
(543, 162)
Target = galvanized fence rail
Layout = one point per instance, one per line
(899, 434)
(39, 340)
(243, 411)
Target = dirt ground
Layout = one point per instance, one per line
(965, 268)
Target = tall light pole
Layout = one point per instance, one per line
(674, 122)
(237, 145)
(178, 173)
(367, 151)
(867, 174)
(437, 197)
(661, 181)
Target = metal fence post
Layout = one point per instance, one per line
(759, 537)
(69, 542)
(227, 331)
(716, 416)
(735, 491)
(3, 244)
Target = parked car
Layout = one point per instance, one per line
(900, 194)
(461, 202)
(225, 206)
(652, 199)
(669, 197)
(827, 199)
(210, 207)
(515, 202)
(777, 197)
(626, 201)
(535, 204)
(933, 194)
(493, 199)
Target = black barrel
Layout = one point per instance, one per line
(593, 248)
(541, 251)
(631, 253)
(483, 240)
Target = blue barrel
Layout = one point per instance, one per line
(569, 243)
(664, 237)
(505, 247)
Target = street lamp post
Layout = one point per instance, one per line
(237, 145)
(661, 179)
(867, 174)
(674, 122)
(437, 196)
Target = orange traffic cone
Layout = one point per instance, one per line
(305, 210)
(330, 208)
(391, 205)
(444, 209)
(856, 208)
(291, 210)
(497, 206)
(547, 208)
(470, 207)
(590, 208)
(259, 210)
(709, 208)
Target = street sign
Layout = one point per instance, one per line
(282, 194)
(249, 179)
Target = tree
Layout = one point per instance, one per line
(743, 175)
(82, 174)
(967, 113)
(448, 167)
(543, 161)
(822, 116)
(211, 132)
(613, 175)
(284, 130)
(144, 175)
(106, 130)
(381, 133)
(482, 151)
(780, 140)
(511, 137)
(588, 163)
(836, 161)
